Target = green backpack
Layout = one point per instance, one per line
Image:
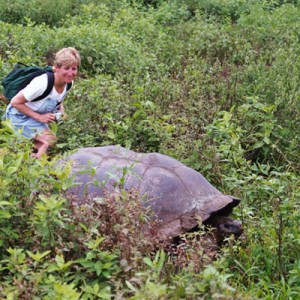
(21, 76)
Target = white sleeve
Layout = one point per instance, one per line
(36, 87)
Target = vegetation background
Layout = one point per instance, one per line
(212, 83)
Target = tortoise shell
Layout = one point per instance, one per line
(177, 194)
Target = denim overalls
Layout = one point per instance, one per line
(27, 126)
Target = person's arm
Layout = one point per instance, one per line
(19, 101)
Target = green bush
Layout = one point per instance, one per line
(50, 246)
(224, 10)
(211, 83)
(49, 12)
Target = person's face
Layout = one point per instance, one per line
(67, 73)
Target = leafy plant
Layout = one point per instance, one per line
(49, 12)
(214, 84)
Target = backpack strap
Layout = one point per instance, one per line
(69, 85)
(49, 87)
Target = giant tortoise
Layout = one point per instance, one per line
(177, 194)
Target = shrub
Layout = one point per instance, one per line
(49, 12)
(211, 83)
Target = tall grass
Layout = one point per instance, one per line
(211, 83)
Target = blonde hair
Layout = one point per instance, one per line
(67, 57)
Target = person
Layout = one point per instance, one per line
(32, 119)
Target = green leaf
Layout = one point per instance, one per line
(38, 256)
(4, 214)
(258, 145)
(130, 286)
(59, 260)
(98, 267)
(11, 170)
(148, 261)
(5, 203)
(111, 135)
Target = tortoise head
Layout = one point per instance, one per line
(225, 227)
(228, 226)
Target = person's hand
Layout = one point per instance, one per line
(46, 118)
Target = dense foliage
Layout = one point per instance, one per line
(214, 84)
